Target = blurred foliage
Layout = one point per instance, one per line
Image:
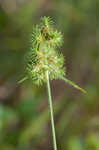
(24, 115)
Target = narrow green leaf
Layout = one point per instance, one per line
(22, 80)
(73, 84)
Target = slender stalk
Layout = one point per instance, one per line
(51, 111)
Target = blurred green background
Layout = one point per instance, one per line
(24, 115)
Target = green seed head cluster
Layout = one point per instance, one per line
(43, 59)
(43, 55)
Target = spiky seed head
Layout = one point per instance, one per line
(43, 55)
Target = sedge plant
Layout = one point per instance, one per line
(45, 62)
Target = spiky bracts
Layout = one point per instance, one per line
(43, 55)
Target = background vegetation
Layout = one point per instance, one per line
(24, 116)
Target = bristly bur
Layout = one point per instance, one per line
(44, 55)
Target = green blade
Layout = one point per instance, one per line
(22, 80)
(73, 84)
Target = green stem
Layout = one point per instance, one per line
(51, 111)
